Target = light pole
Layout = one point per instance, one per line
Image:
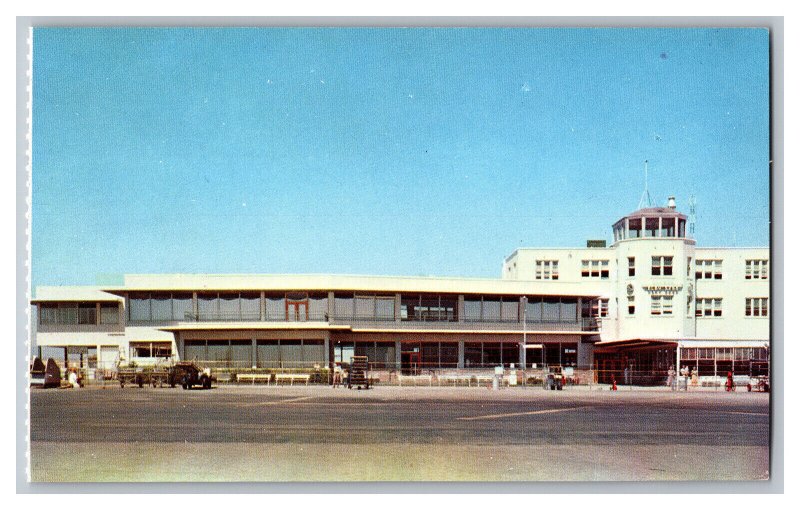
(524, 332)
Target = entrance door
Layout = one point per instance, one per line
(410, 361)
(296, 311)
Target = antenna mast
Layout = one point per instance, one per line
(645, 200)
(692, 214)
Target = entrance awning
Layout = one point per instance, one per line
(625, 345)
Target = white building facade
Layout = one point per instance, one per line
(648, 302)
(662, 296)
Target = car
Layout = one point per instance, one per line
(188, 374)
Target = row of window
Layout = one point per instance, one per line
(704, 307)
(78, 313)
(705, 269)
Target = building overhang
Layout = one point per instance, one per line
(638, 343)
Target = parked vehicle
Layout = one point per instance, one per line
(554, 378)
(188, 375)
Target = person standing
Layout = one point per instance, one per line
(627, 375)
(671, 377)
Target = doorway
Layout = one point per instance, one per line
(410, 358)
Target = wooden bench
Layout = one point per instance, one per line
(415, 378)
(291, 378)
(253, 377)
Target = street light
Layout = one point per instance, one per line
(524, 332)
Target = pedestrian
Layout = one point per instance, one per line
(671, 377)
(729, 382)
(627, 375)
(337, 376)
(694, 376)
(685, 374)
(613, 383)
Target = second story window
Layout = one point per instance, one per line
(661, 305)
(600, 308)
(662, 266)
(547, 270)
(708, 307)
(756, 307)
(631, 305)
(708, 269)
(594, 269)
(631, 266)
(756, 269)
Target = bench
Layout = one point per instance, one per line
(415, 378)
(291, 378)
(253, 377)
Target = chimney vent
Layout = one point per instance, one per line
(671, 202)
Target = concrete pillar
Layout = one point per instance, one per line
(397, 305)
(254, 353)
(194, 305)
(397, 354)
(331, 308)
(585, 354)
(461, 354)
(262, 307)
(461, 308)
(522, 360)
(327, 349)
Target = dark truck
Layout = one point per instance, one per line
(188, 375)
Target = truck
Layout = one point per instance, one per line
(188, 374)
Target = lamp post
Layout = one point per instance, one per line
(524, 359)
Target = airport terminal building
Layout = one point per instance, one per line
(650, 300)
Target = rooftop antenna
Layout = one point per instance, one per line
(692, 214)
(645, 200)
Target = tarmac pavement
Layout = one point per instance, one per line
(258, 433)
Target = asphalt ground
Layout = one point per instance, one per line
(257, 433)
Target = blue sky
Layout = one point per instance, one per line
(383, 151)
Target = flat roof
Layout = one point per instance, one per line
(350, 283)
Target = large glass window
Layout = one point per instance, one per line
(268, 354)
(182, 306)
(229, 307)
(276, 308)
(219, 351)
(194, 350)
(318, 308)
(208, 306)
(251, 306)
(87, 313)
(651, 227)
(139, 307)
(109, 313)
(343, 306)
(635, 227)
(161, 307)
(241, 353)
(550, 309)
(473, 354)
(510, 309)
